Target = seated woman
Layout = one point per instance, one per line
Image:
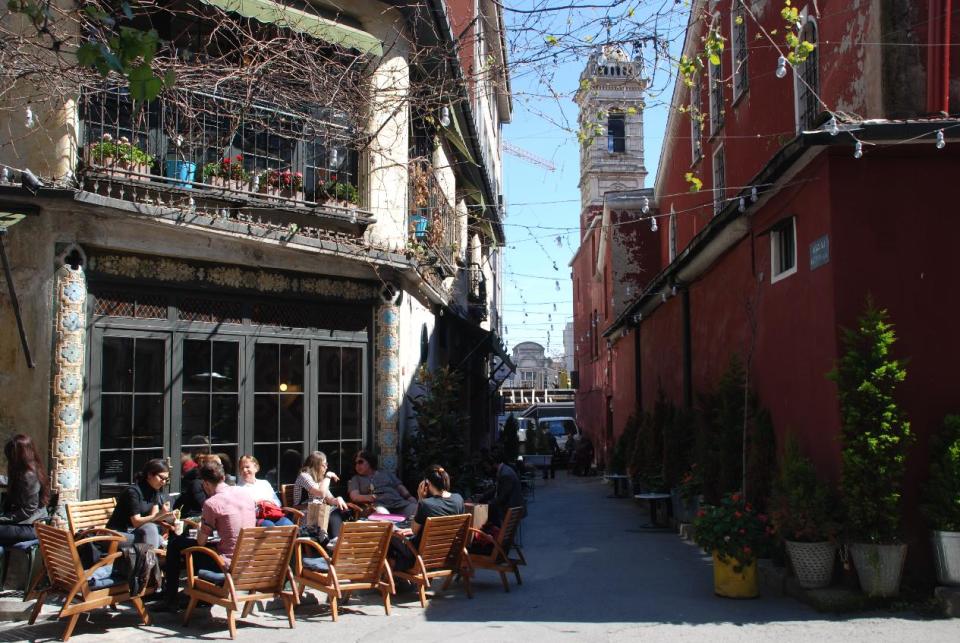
(28, 493)
(143, 505)
(436, 499)
(313, 485)
(380, 488)
(260, 490)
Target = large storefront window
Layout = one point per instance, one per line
(175, 385)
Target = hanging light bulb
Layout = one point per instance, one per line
(554, 308)
(753, 194)
(653, 224)
(781, 67)
(334, 159)
(29, 120)
(663, 297)
(557, 284)
(743, 204)
(941, 142)
(645, 205)
(445, 116)
(858, 150)
(832, 126)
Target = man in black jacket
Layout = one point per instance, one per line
(506, 492)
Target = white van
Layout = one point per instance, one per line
(562, 428)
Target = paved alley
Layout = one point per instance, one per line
(593, 575)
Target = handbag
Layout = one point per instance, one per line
(317, 514)
(266, 510)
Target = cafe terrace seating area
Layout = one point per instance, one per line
(269, 564)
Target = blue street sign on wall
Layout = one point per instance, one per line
(820, 252)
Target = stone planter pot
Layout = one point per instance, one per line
(879, 567)
(730, 583)
(812, 562)
(946, 554)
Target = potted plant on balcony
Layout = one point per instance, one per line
(283, 183)
(875, 434)
(227, 173)
(942, 500)
(803, 516)
(736, 536)
(339, 193)
(120, 157)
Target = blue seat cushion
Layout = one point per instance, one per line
(26, 545)
(212, 577)
(318, 564)
(102, 578)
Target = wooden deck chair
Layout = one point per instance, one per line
(260, 567)
(90, 516)
(442, 553)
(83, 589)
(359, 562)
(499, 558)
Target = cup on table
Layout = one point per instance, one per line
(178, 527)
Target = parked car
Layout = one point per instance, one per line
(524, 425)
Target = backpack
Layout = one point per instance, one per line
(138, 565)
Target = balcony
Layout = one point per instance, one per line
(210, 154)
(433, 223)
(477, 293)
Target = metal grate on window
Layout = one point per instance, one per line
(739, 50)
(121, 304)
(214, 311)
(298, 315)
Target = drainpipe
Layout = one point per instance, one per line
(687, 352)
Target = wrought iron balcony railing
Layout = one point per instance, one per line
(215, 146)
(434, 225)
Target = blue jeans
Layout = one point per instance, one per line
(279, 522)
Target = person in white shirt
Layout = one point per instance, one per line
(260, 490)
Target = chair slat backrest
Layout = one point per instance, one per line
(442, 542)
(262, 557)
(90, 513)
(362, 551)
(59, 556)
(508, 528)
(286, 494)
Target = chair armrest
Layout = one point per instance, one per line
(112, 537)
(189, 551)
(298, 554)
(108, 559)
(295, 514)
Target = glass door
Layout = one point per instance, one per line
(279, 407)
(209, 386)
(340, 404)
(129, 404)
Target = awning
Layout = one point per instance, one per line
(454, 134)
(310, 24)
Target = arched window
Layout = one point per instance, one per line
(806, 80)
(616, 132)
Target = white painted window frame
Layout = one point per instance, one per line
(775, 236)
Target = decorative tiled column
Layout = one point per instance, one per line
(68, 355)
(387, 384)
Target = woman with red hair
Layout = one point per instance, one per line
(28, 491)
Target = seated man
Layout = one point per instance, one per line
(226, 511)
(506, 492)
(380, 488)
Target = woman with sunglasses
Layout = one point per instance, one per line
(143, 504)
(380, 488)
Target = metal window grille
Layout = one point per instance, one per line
(696, 119)
(715, 74)
(121, 304)
(719, 180)
(739, 50)
(808, 81)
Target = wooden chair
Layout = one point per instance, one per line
(359, 562)
(90, 516)
(82, 592)
(442, 553)
(286, 498)
(499, 558)
(260, 566)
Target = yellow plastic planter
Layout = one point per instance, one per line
(731, 584)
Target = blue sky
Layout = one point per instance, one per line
(543, 208)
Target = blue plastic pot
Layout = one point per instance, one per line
(420, 224)
(183, 172)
